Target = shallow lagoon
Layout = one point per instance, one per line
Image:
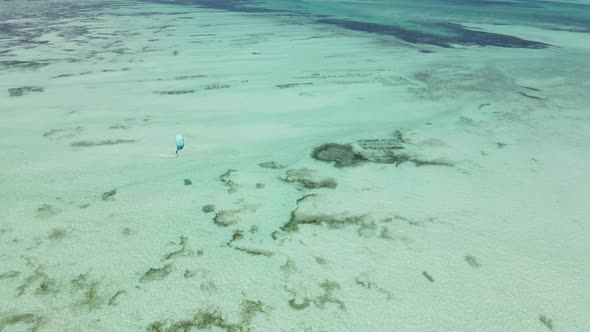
(348, 166)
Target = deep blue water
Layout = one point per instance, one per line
(432, 22)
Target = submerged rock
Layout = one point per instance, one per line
(342, 155)
(254, 252)
(17, 92)
(156, 274)
(316, 210)
(428, 276)
(380, 151)
(548, 322)
(472, 260)
(226, 178)
(226, 218)
(216, 86)
(291, 85)
(208, 208)
(109, 195)
(271, 164)
(308, 178)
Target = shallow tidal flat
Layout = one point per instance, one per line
(332, 180)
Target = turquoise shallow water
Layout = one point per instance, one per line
(347, 166)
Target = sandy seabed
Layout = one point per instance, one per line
(332, 180)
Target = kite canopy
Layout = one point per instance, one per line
(179, 142)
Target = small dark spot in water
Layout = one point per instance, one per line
(189, 274)
(57, 234)
(428, 276)
(62, 75)
(530, 96)
(501, 145)
(84, 206)
(254, 252)
(109, 195)
(114, 300)
(299, 305)
(88, 143)
(51, 132)
(119, 126)
(226, 178)
(208, 208)
(291, 85)
(237, 236)
(17, 92)
(321, 261)
(529, 88)
(472, 260)
(156, 274)
(216, 86)
(182, 251)
(187, 182)
(548, 322)
(181, 78)
(271, 164)
(47, 286)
